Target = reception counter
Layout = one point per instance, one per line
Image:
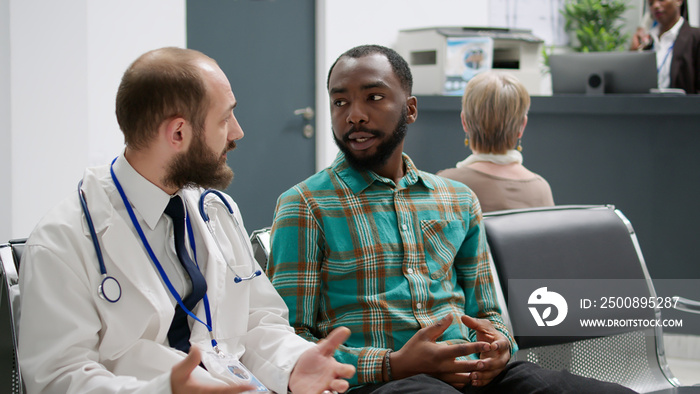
(639, 153)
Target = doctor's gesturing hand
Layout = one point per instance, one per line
(317, 371)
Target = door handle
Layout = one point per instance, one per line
(308, 114)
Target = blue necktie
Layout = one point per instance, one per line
(179, 333)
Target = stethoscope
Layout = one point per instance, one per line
(203, 212)
(109, 288)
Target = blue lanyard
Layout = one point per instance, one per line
(161, 271)
(658, 69)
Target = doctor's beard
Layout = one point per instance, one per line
(199, 166)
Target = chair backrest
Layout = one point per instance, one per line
(582, 252)
(260, 239)
(10, 376)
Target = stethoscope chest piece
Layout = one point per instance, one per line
(110, 290)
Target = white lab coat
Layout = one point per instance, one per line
(72, 341)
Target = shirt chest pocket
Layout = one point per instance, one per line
(441, 241)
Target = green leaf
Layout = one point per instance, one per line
(596, 24)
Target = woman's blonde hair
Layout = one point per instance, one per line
(494, 106)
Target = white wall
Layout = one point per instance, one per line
(48, 62)
(5, 137)
(65, 62)
(694, 12)
(341, 25)
(119, 32)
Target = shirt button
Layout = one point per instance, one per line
(404, 227)
(419, 306)
(410, 270)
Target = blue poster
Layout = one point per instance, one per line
(466, 57)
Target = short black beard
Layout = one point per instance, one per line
(384, 151)
(199, 167)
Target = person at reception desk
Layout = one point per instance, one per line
(677, 45)
(494, 115)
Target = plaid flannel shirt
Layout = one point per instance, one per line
(353, 249)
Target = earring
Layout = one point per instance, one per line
(520, 145)
(466, 141)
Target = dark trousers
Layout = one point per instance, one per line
(518, 377)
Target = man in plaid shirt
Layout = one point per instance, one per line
(393, 253)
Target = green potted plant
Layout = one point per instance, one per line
(596, 24)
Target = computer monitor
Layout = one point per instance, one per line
(603, 72)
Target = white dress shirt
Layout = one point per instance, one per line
(664, 52)
(149, 202)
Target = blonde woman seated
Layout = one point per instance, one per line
(494, 115)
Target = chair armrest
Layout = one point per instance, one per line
(686, 305)
(260, 240)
